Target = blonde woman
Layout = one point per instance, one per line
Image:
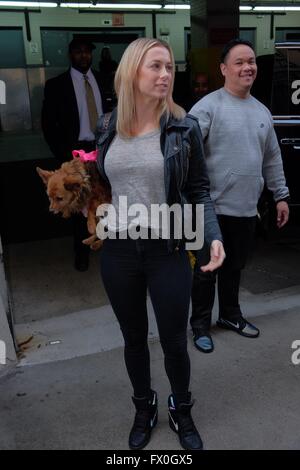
(152, 154)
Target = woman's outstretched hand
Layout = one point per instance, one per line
(217, 256)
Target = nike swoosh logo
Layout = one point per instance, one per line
(153, 419)
(175, 424)
(232, 324)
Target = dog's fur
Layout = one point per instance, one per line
(76, 187)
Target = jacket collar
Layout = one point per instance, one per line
(167, 122)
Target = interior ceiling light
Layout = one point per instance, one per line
(129, 6)
(276, 8)
(177, 7)
(28, 4)
(114, 6)
(245, 8)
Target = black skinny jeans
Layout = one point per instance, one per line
(129, 268)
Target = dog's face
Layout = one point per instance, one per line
(66, 187)
(59, 190)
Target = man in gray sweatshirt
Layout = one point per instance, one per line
(242, 153)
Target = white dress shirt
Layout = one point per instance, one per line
(85, 132)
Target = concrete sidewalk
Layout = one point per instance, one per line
(247, 395)
(95, 330)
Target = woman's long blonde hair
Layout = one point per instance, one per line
(125, 82)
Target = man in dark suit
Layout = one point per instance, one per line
(72, 103)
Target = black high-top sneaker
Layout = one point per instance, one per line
(182, 423)
(144, 422)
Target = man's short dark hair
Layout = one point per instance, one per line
(234, 42)
(77, 42)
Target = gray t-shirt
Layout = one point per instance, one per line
(241, 151)
(135, 169)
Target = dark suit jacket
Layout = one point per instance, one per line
(60, 117)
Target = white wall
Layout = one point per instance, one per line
(49, 17)
(262, 23)
(174, 22)
(72, 18)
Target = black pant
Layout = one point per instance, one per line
(128, 268)
(80, 232)
(238, 235)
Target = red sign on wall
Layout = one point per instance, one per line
(118, 19)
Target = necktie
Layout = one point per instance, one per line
(91, 104)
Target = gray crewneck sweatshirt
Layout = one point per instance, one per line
(241, 151)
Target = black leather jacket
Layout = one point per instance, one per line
(185, 173)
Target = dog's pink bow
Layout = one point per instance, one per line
(85, 157)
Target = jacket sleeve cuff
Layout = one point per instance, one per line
(286, 199)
